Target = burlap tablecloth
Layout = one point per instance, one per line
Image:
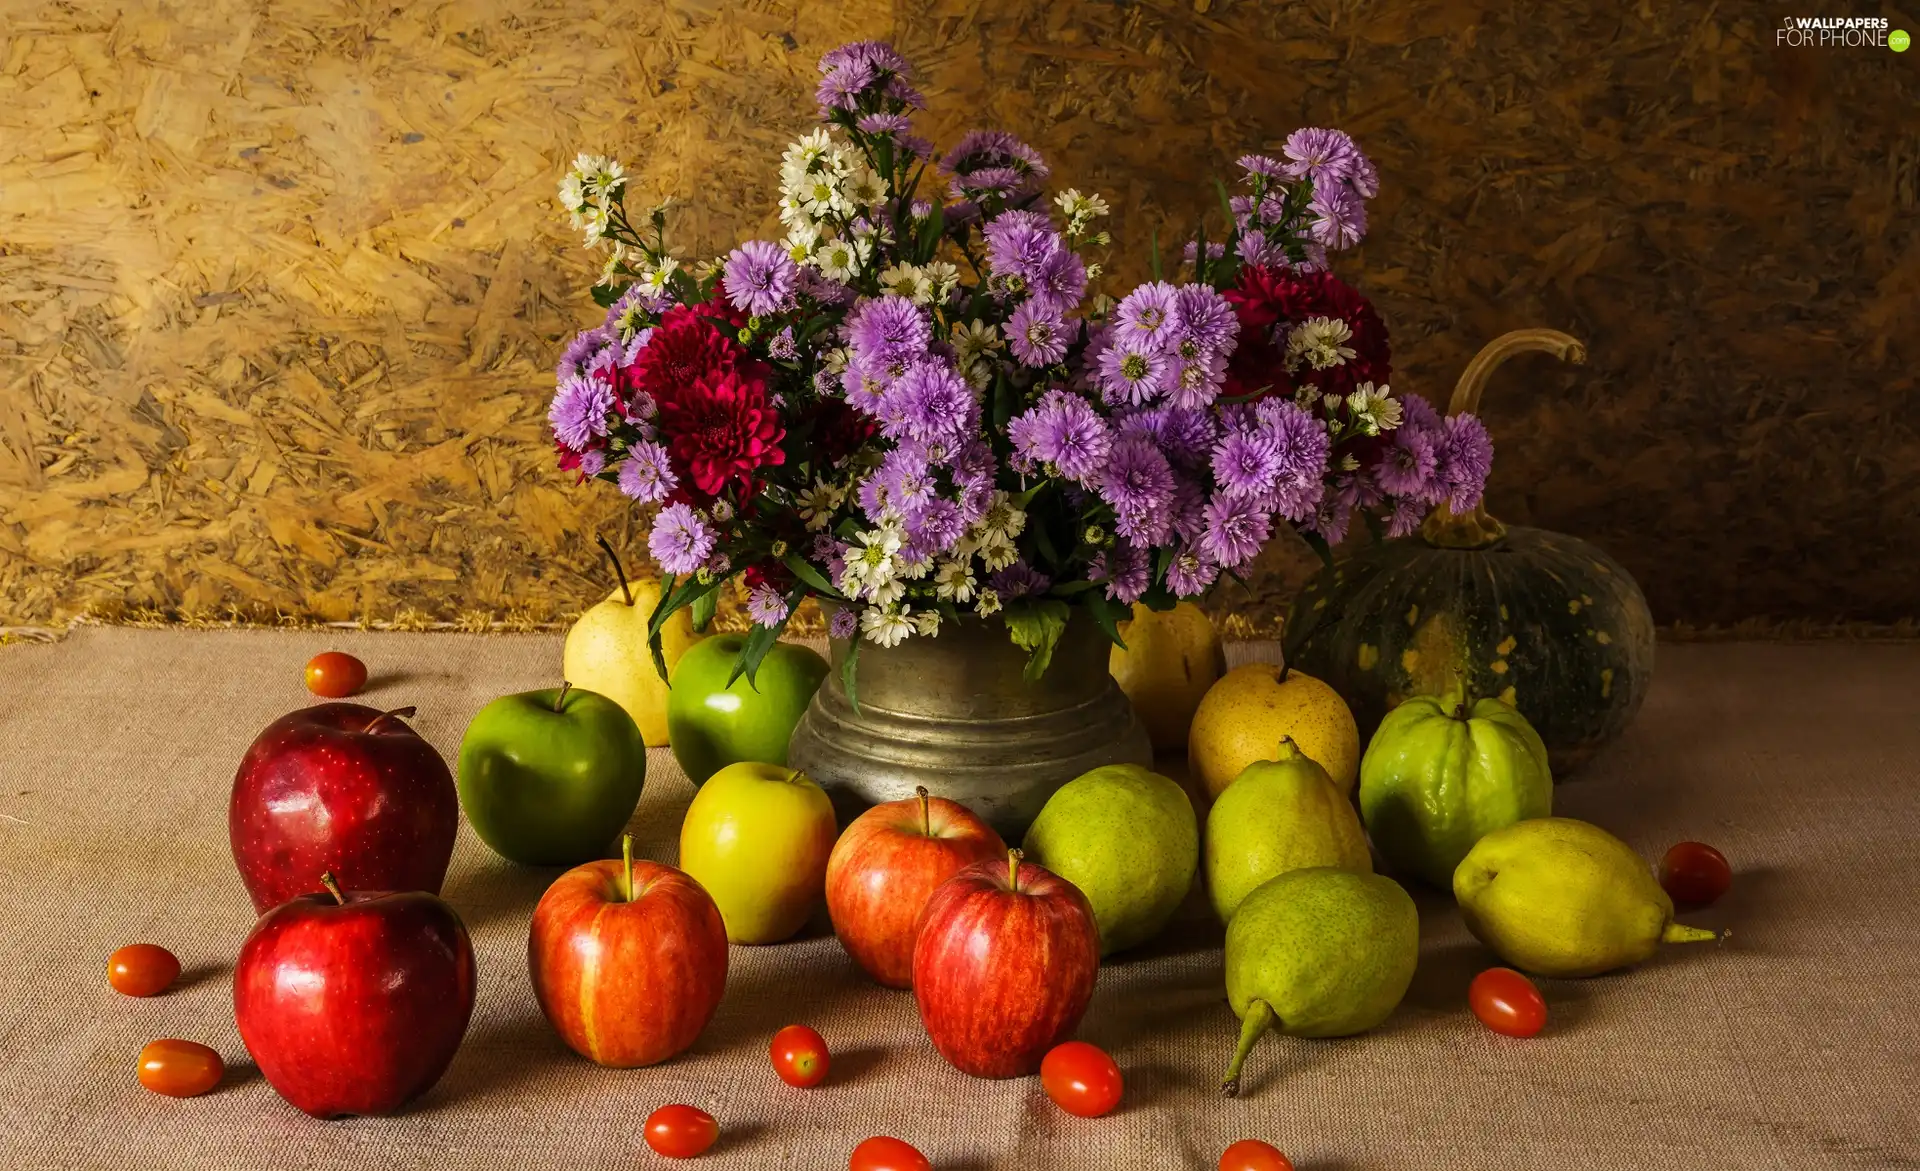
(1795, 1046)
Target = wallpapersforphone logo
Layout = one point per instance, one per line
(1840, 32)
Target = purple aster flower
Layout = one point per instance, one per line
(840, 90)
(988, 181)
(900, 91)
(1147, 314)
(879, 54)
(593, 461)
(629, 313)
(884, 123)
(1018, 580)
(1330, 519)
(1215, 250)
(1019, 242)
(1137, 481)
(822, 288)
(1184, 436)
(1406, 516)
(1130, 371)
(580, 352)
(1190, 573)
(939, 526)
(1206, 322)
(1124, 568)
(993, 148)
(1064, 430)
(680, 541)
(1340, 217)
(760, 278)
(908, 482)
(929, 402)
(865, 385)
(1237, 527)
(912, 146)
(1364, 178)
(1246, 463)
(1037, 334)
(1195, 382)
(1417, 414)
(1189, 508)
(1325, 156)
(844, 623)
(1407, 467)
(765, 605)
(782, 347)
(647, 476)
(1466, 461)
(1265, 165)
(1255, 249)
(1059, 281)
(889, 329)
(579, 411)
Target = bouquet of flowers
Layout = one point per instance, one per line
(912, 408)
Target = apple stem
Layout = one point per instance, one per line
(562, 697)
(396, 713)
(618, 571)
(626, 857)
(926, 817)
(1013, 869)
(1260, 1017)
(333, 887)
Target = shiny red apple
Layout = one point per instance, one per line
(354, 1003)
(1004, 965)
(628, 960)
(343, 788)
(884, 868)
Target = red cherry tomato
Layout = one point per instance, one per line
(1695, 873)
(1081, 1079)
(1507, 1002)
(1250, 1154)
(681, 1132)
(799, 1056)
(881, 1153)
(142, 969)
(179, 1069)
(335, 674)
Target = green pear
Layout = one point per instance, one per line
(1562, 898)
(1129, 840)
(1279, 815)
(1318, 953)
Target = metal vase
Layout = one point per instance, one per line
(955, 713)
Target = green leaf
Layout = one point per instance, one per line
(1005, 398)
(1154, 257)
(1074, 587)
(1226, 201)
(760, 640)
(605, 295)
(1043, 542)
(804, 570)
(1106, 612)
(1036, 628)
(703, 608)
(677, 597)
(659, 655)
(847, 664)
(930, 231)
(1319, 545)
(1200, 253)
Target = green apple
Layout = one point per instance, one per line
(712, 725)
(550, 777)
(1129, 840)
(757, 837)
(606, 651)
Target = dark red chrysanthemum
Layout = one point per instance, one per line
(1268, 302)
(718, 430)
(838, 430)
(683, 349)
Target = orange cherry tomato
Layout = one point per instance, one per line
(1695, 874)
(1250, 1154)
(883, 1153)
(142, 969)
(799, 1056)
(681, 1132)
(335, 674)
(1507, 1002)
(1081, 1079)
(179, 1069)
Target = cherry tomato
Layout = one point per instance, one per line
(179, 1069)
(142, 969)
(1695, 873)
(1250, 1154)
(1507, 1002)
(335, 674)
(799, 1056)
(1081, 1079)
(881, 1153)
(681, 1132)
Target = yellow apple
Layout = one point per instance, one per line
(1172, 657)
(1245, 715)
(607, 652)
(757, 837)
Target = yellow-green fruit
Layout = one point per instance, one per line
(757, 837)
(1129, 840)
(607, 652)
(1562, 898)
(1171, 658)
(1247, 712)
(1279, 815)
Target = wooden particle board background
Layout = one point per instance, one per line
(281, 284)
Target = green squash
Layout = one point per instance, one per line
(1439, 776)
(1546, 622)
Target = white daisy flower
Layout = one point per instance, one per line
(974, 340)
(953, 581)
(927, 622)
(888, 627)
(864, 187)
(943, 276)
(655, 279)
(989, 603)
(997, 553)
(572, 193)
(837, 260)
(818, 504)
(1320, 342)
(906, 280)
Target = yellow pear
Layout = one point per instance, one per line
(1172, 657)
(607, 652)
(1252, 706)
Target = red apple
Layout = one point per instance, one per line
(1004, 966)
(354, 1003)
(628, 960)
(887, 864)
(347, 789)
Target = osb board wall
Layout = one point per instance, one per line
(281, 284)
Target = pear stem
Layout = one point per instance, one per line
(926, 816)
(560, 699)
(333, 888)
(1013, 869)
(1260, 1017)
(1681, 933)
(396, 713)
(618, 571)
(626, 857)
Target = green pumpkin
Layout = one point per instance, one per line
(1438, 776)
(1544, 621)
